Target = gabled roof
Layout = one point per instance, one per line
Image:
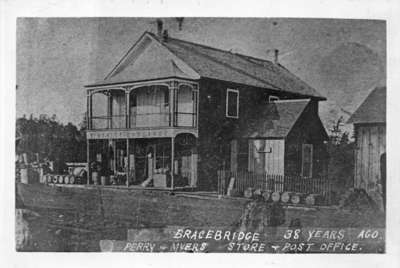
(372, 110)
(186, 59)
(274, 120)
(148, 59)
(227, 66)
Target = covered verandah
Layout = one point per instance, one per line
(143, 133)
(150, 160)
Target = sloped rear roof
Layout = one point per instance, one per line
(373, 109)
(224, 65)
(275, 119)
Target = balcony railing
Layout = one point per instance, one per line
(150, 116)
(147, 106)
(108, 122)
(137, 120)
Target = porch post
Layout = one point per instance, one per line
(173, 87)
(171, 105)
(89, 111)
(109, 123)
(127, 160)
(114, 145)
(172, 161)
(132, 163)
(88, 159)
(127, 115)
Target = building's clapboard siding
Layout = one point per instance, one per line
(307, 130)
(274, 161)
(371, 144)
(216, 131)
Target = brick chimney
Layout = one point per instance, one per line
(165, 36)
(273, 55)
(159, 28)
(276, 56)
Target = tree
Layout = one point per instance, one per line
(50, 139)
(341, 152)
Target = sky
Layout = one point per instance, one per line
(56, 57)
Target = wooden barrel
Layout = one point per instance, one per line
(71, 179)
(276, 196)
(24, 175)
(54, 178)
(285, 197)
(60, 179)
(248, 193)
(104, 180)
(258, 192)
(112, 179)
(42, 179)
(95, 177)
(297, 198)
(48, 178)
(313, 199)
(267, 195)
(66, 179)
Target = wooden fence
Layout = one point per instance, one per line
(273, 183)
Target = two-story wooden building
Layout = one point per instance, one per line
(171, 113)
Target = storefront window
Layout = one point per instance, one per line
(163, 157)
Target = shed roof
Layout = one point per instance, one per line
(275, 119)
(373, 109)
(209, 62)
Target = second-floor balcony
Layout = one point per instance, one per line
(157, 105)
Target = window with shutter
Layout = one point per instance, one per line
(232, 103)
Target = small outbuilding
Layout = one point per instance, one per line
(370, 133)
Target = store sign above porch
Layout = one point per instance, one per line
(137, 134)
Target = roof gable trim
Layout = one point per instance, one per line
(140, 46)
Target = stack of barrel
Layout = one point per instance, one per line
(60, 179)
(285, 197)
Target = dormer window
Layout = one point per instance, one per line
(273, 98)
(232, 103)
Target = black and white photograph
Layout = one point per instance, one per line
(211, 134)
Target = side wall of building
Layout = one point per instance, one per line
(307, 130)
(216, 131)
(370, 145)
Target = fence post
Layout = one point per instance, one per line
(219, 182)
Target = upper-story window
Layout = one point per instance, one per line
(186, 106)
(232, 103)
(273, 98)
